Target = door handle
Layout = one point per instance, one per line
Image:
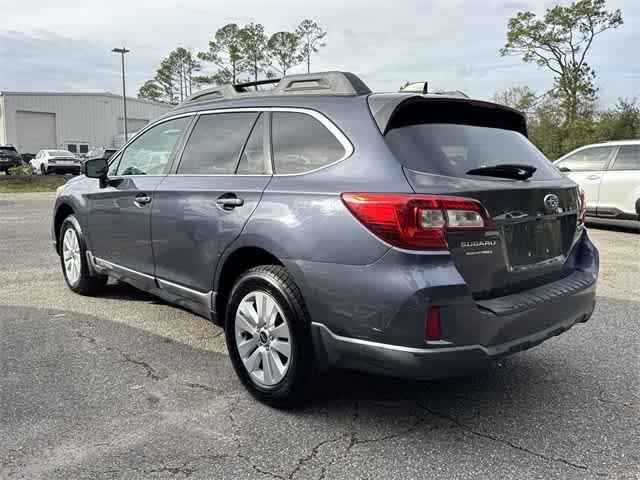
(229, 202)
(142, 199)
(593, 177)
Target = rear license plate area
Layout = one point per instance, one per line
(533, 242)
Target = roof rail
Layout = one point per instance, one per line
(321, 83)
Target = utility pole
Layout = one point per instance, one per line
(122, 51)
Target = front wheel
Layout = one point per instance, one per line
(74, 262)
(268, 336)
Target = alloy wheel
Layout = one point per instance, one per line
(71, 256)
(262, 338)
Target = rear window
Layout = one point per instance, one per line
(628, 158)
(60, 153)
(453, 149)
(215, 143)
(8, 151)
(301, 143)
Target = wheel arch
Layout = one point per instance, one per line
(232, 265)
(62, 211)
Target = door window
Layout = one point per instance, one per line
(252, 161)
(149, 154)
(301, 143)
(628, 158)
(587, 160)
(214, 145)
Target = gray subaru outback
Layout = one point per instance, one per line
(322, 225)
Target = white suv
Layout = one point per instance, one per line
(609, 174)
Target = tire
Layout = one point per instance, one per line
(43, 169)
(73, 260)
(283, 382)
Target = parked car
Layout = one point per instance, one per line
(56, 161)
(27, 157)
(9, 157)
(609, 174)
(326, 226)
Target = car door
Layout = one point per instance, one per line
(119, 227)
(620, 187)
(202, 207)
(586, 167)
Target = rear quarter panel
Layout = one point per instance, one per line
(302, 217)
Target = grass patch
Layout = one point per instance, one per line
(11, 184)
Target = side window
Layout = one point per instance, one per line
(301, 143)
(587, 160)
(149, 153)
(215, 143)
(252, 161)
(628, 158)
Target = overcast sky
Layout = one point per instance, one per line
(64, 45)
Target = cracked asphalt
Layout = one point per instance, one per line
(125, 386)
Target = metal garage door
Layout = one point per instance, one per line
(36, 130)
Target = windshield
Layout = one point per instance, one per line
(453, 150)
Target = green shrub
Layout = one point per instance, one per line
(24, 170)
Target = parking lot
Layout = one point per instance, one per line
(126, 386)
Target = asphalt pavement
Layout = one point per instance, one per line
(125, 386)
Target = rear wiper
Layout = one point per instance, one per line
(505, 170)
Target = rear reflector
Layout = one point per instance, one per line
(416, 222)
(432, 331)
(583, 205)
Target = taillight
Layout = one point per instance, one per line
(583, 205)
(416, 222)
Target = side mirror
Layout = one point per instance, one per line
(97, 168)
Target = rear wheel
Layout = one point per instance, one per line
(73, 260)
(43, 169)
(268, 336)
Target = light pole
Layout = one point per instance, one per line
(122, 51)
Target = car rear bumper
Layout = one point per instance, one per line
(6, 165)
(374, 318)
(449, 361)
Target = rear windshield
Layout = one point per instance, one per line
(8, 150)
(60, 153)
(453, 150)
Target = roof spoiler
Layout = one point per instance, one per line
(395, 110)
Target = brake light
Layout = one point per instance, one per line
(416, 222)
(583, 205)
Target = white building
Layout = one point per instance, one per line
(78, 122)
